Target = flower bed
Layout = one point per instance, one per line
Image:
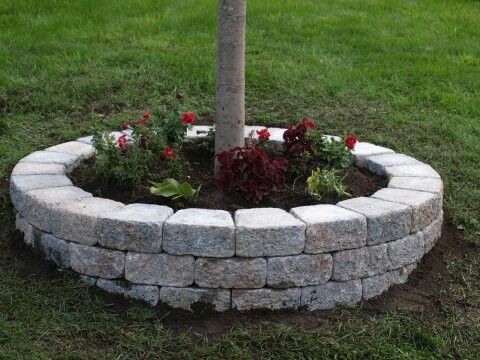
(314, 256)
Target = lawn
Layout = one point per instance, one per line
(401, 73)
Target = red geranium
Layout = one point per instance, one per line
(168, 153)
(309, 124)
(143, 121)
(188, 118)
(350, 141)
(263, 135)
(122, 142)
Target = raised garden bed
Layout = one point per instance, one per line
(314, 256)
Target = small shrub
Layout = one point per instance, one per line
(335, 153)
(249, 170)
(171, 188)
(295, 141)
(325, 182)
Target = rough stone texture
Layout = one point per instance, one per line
(51, 157)
(185, 298)
(94, 261)
(235, 273)
(378, 163)
(268, 232)
(432, 185)
(432, 233)
(38, 169)
(359, 263)
(86, 139)
(36, 205)
(89, 280)
(405, 251)
(421, 170)
(55, 250)
(146, 293)
(299, 270)
(200, 232)
(386, 221)
(20, 184)
(31, 235)
(198, 131)
(136, 227)
(331, 228)
(160, 269)
(425, 206)
(76, 148)
(76, 221)
(363, 150)
(376, 285)
(327, 296)
(271, 299)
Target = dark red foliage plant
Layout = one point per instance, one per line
(295, 142)
(249, 170)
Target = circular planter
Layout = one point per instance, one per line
(313, 257)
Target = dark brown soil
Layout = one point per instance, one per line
(359, 182)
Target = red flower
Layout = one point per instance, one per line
(263, 135)
(309, 124)
(147, 116)
(350, 141)
(122, 142)
(125, 125)
(168, 153)
(188, 118)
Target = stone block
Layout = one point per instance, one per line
(38, 169)
(419, 170)
(432, 233)
(405, 251)
(271, 299)
(185, 298)
(231, 273)
(299, 270)
(76, 221)
(135, 227)
(95, 261)
(363, 150)
(200, 232)
(331, 228)
(386, 221)
(378, 284)
(359, 263)
(268, 232)
(55, 250)
(51, 157)
(160, 269)
(75, 148)
(331, 294)
(425, 206)
(432, 185)
(145, 293)
(378, 163)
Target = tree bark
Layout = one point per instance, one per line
(230, 92)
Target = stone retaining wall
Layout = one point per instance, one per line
(313, 256)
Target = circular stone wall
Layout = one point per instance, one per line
(313, 257)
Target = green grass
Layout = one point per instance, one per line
(401, 73)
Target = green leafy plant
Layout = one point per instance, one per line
(171, 188)
(334, 152)
(324, 182)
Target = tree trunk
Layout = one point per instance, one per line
(230, 92)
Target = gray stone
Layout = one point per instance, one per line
(331, 228)
(432, 233)
(86, 139)
(327, 296)
(76, 148)
(271, 299)
(432, 185)
(299, 270)
(38, 169)
(276, 135)
(378, 163)
(405, 251)
(51, 157)
(268, 232)
(231, 273)
(89, 280)
(184, 298)
(31, 235)
(199, 232)
(55, 250)
(197, 131)
(378, 284)
(160, 269)
(20, 184)
(386, 221)
(136, 227)
(359, 263)
(76, 221)
(425, 206)
(363, 150)
(36, 205)
(421, 170)
(145, 293)
(95, 261)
